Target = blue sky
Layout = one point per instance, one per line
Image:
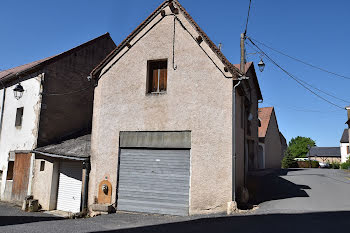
(315, 31)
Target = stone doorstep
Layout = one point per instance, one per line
(59, 213)
(102, 208)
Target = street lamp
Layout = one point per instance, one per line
(18, 91)
(261, 65)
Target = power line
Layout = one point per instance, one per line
(293, 77)
(246, 25)
(303, 62)
(315, 88)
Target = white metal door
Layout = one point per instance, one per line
(69, 187)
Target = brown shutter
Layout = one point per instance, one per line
(154, 80)
(163, 80)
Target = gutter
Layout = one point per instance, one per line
(61, 156)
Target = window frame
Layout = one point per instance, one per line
(149, 80)
(19, 118)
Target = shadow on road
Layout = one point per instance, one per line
(310, 223)
(14, 220)
(274, 187)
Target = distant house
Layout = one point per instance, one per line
(344, 145)
(325, 154)
(272, 143)
(44, 102)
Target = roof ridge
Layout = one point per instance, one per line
(36, 64)
(144, 23)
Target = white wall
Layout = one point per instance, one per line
(344, 152)
(19, 138)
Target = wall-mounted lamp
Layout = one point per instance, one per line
(18, 91)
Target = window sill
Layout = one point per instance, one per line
(156, 93)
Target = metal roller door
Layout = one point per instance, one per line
(154, 181)
(69, 187)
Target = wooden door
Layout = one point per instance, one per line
(21, 175)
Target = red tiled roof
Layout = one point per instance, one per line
(264, 116)
(233, 70)
(247, 66)
(8, 75)
(19, 69)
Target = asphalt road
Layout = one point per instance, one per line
(308, 200)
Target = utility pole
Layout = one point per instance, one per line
(232, 206)
(242, 66)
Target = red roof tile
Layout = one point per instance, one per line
(10, 74)
(264, 116)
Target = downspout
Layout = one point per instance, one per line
(234, 140)
(87, 168)
(2, 109)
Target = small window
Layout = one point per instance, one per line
(157, 76)
(347, 150)
(42, 166)
(19, 116)
(10, 170)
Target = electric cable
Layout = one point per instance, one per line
(293, 77)
(303, 62)
(246, 25)
(315, 88)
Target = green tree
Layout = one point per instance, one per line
(299, 146)
(288, 160)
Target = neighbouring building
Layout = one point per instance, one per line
(162, 121)
(272, 143)
(45, 102)
(344, 146)
(325, 154)
(284, 144)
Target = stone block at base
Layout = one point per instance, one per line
(231, 207)
(102, 208)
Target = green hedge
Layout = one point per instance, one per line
(345, 165)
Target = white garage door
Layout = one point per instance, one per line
(69, 187)
(154, 181)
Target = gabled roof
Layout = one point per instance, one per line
(13, 73)
(231, 68)
(76, 149)
(324, 151)
(250, 65)
(264, 116)
(345, 136)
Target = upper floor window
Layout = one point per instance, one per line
(19, 116)
(157, 76)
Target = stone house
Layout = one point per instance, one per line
(344, 146)
(53, 102)
(325, 154)
(163, 121)
(272, 143)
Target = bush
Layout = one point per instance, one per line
(335, 165)
(288, 160)
(345, 165)
(315, 164)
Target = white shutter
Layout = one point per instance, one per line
(69, 187)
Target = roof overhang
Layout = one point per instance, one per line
(76, 158)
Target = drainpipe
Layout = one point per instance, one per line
(2, 110)
(234, 141)
(86, 165)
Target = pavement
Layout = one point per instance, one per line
(295, 200)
